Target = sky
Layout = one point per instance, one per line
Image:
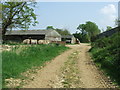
(119, 10)
(68, 15)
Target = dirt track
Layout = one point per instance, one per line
(72, 69)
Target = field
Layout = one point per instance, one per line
(106, 54)
(20, 59)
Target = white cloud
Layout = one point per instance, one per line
(109, 13)
(109, 9)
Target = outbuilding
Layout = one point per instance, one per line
(20, 35)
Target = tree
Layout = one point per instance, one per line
(90, 29)
(83, 35)
(84, 38)
(0, 17)
(50, 27)
(0, 11)
(17, 15)
(117, 22)
(63, 32)
(60, 31)
(81, 27)
(108, 28)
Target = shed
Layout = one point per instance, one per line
(20, 35)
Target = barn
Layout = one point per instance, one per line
(69, 39)
(108, 33)
(20, 35)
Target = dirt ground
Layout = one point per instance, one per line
(72, 69)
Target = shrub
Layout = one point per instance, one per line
(106, 53)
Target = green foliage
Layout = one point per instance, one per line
(60, 31)
(117, 22)
(92, 29)
(106, 53)
(82, 27)
(0, 11)
(89, 28)
(63, 32)
(108, 28)
(18, 15)
(101, 43)
(84, 38)
(15, 63)
(50, 27)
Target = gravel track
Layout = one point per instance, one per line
(89, 75)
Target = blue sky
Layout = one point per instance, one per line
(68, 15)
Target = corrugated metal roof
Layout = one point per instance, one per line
(28, 32)
(109, 32)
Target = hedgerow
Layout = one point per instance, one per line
(106, 54)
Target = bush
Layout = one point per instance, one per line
(106, 53)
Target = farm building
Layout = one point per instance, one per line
(20, 35)
(108, 33)
(69, 39)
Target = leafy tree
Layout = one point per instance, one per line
(0, 18)
(50, 27)
(117, 22)
(17, 15)
(90, 29)
(84, 38)
(63, 32)
(0, 11)
(81, 27)
(108, 28)
(60, 31)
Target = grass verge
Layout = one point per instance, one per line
(13, 63)
(106, 54)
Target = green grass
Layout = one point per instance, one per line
(0, 70)
(106, 54)
(33, 56)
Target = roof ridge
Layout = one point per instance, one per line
(29, 30)
(17, 32)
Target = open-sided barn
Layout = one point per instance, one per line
(20, 35)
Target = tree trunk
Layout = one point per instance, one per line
(3, 34)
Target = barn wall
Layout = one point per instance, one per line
(53, 36)
(73, 41)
